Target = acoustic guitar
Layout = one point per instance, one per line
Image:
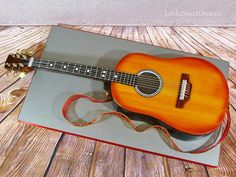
(188, 94)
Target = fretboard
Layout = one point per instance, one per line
(94, 72)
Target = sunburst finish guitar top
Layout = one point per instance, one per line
(205, 92)
(189, 94)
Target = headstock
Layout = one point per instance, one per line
(18, 63)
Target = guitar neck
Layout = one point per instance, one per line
(94, 72)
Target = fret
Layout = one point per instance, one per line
(58, 66)
(65, 66)
(122, 78)
(99, 71)
(61, 65)
(134, 81)
(70, 67)
(47, 64)
(82, 69)
(93, 71)
(74, 68)
(108, 74)
(129, 79)
(87, 70)
(95, 75)
(104, 74)
(115, 76)
(40, 61)
(51, 64)
(79, 69)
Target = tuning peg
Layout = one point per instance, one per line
(22, 74)
(16, 73)
(14, 65)
(13, 55)
(25, 52)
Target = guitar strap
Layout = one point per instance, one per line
(213, 141)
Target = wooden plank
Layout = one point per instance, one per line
(31, 153)
(183, 45)
(133, 33)
(10, 132)
(125, 32)
(6, 79)
(228, 32)
(24, 42)
(3, 27)
(233, 29)
(24, 82)
(154, 36)
(92, 29)
(106, 30)
(223, 34)
(75, 27)
(232, 93)
(3, 71)
(144, 164)
(11, 31)
(200, 48)
(185, 169)
(143, 35)
(215, 46)
(228, 149)
(221, 38)
(117, 31)
(108, 160)
(6, 41)
(31, 143)
(73, 157)
(166, 39)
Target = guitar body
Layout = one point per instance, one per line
(204, 108)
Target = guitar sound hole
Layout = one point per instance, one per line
(148, 83)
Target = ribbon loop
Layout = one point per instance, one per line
(209, 144)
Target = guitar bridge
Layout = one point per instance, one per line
(185, 88)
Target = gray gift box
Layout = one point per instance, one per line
(49, 90)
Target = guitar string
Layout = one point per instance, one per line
(139, 82)
(140, 77)
(142, 85)
(146, 81)
(46, 62)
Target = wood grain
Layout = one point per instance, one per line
(117, 31)
(143, 164)
(28, 36)
(108, 160)
(31, 153)
(10, 132)
(214, 45)
(143, 35)
(73, 157)
(228, 153)
(24, 82)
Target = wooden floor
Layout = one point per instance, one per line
(30, 151)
